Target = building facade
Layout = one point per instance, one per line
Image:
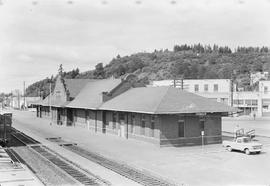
(264, 98)
(161, 115)
(214, 89)
(250, 102)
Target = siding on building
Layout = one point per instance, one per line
(162, 115)
(192, 130)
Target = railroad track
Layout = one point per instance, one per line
(69, 169)
(138, 176)
(17, 158)
(72, 169)
(23, 138)
(14, 156)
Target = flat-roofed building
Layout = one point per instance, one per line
(247, 101)
(264, 101)
(215, 89)
(253, 103)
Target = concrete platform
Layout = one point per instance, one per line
(15, 173)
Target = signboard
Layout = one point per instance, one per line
(202, 133)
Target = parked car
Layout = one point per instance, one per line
(244, 144)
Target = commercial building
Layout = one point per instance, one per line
(124, 107)
(220, 90)
(214, 89)
(264, 98)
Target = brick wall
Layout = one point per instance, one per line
(192, 135)
(135, 130)
(81, 118)
(92, 120)
(213, 129)
(45, 112)
(99, 121)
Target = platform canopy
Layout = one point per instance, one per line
(164, 100)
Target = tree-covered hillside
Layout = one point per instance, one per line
(188, 62)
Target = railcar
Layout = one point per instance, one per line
(5, 127)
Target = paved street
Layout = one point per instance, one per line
(185, 165)
(261, 125)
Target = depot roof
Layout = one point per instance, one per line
(90, 97)
(163, 100)
(74, 86)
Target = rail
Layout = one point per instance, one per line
(136, 175)
(69, 169)
(24, 139)
(72, 169)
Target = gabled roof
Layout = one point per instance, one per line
(54, 103)
(90, 97)
(74, 86)
(163, 100)
(45, 101)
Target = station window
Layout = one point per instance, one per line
(143, 125)
(215, 87)
(75, 114)
(114, 115)
(132, 123)
(121, 116)
(206, 87)
(181, 127)
(202, 121)
(196, 88)
(152, 126)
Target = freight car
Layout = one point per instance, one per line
(5, 127)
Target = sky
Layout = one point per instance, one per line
(36, 36)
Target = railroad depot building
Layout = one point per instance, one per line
(123, 107)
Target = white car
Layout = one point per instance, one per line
(244, 144)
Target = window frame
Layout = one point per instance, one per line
(133, 121)
(142, 132)
(152, 126)
(114, 120)
(205, 87)
(202, 124)
(181, 121)
(196, 88)
(215, 88)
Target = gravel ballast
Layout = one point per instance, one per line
(44, 170)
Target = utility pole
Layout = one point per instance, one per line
(51, 101)
(24, 94)
(182, 83)
(19, 105)
(231, 91)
